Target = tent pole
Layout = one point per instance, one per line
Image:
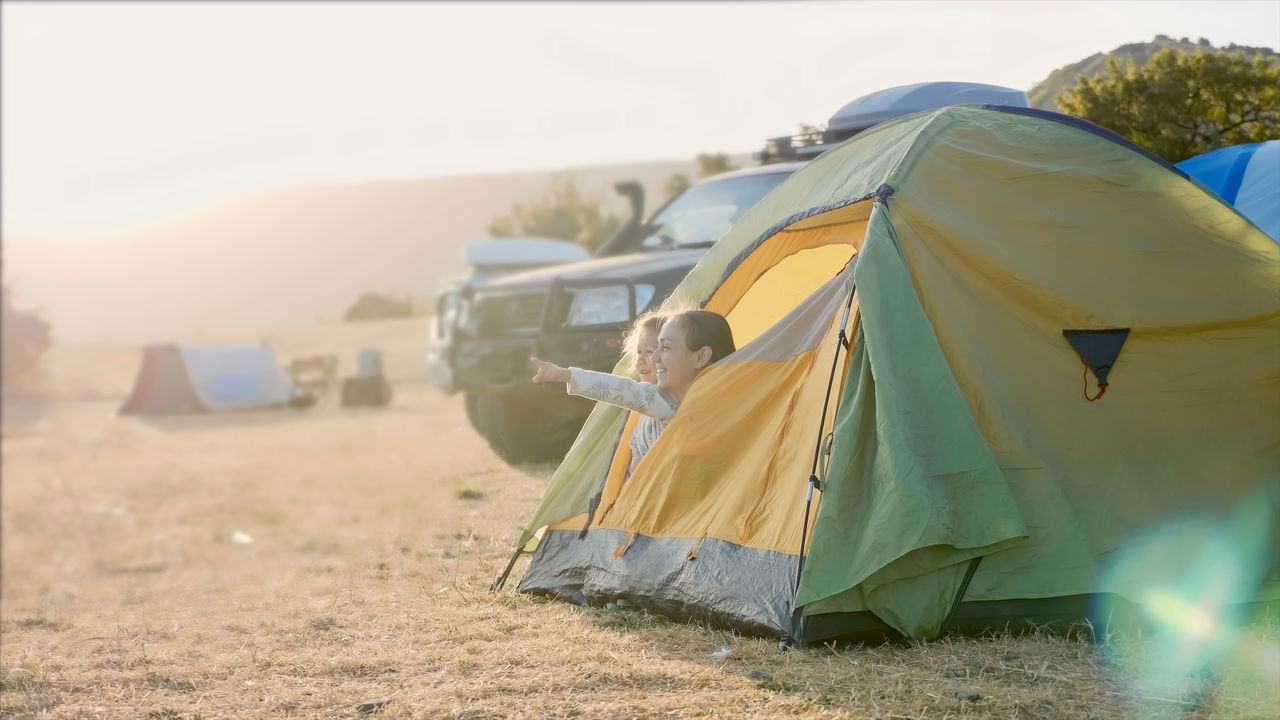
(842, 342)
(502, 579)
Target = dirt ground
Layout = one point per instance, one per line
(334, 563)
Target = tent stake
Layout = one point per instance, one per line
(502, 579)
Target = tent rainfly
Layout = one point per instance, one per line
(177, 379)
(913, 437)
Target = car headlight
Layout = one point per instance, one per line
(462, 316)
(610, 304)
(446, 316)
(644, 296)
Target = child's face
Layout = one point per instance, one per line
(646, 344)
(675, 365)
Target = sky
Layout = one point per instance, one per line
(115, 114)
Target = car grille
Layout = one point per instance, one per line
(513, 313)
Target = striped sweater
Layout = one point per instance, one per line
(656, 406)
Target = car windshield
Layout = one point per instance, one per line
(706, 211)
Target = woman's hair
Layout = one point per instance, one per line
(703, 328)
(651, 320)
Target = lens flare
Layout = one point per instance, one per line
(1192, 621)
(1192, 581)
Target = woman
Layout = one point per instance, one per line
(689, 341)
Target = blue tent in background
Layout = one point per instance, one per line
(179, 379)
(1247, 177)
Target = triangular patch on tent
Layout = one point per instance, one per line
(1099, 350)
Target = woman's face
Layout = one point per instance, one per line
(675, 365)
(646, 344)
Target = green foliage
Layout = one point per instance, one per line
(1182, 104)
(380, 306)
(1044, 94)
(26, 335)
(564, 212)
(713, 164)
(708, 164)
(676, 184)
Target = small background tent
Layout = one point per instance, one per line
(913, 436)
(178, 379)
(1246, 177)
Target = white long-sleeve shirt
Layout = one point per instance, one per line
(656, 406)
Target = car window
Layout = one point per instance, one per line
(705, 211)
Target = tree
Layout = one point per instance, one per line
(713, 164)
(1181, 104)
(563, 212)
(380, 306)
(1045, 92)
(24, 337)
(676, 184)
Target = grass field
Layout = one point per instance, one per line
(324, 563)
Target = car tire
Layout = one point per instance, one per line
(471, 401)
(522, 430)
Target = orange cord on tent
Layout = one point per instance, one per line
(1102, 389)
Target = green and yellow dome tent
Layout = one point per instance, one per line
(913, 437)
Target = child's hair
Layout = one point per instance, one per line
(703, 328)
(651, 320)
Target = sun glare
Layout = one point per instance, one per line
(1193, 621)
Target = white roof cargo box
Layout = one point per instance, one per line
(890, 103)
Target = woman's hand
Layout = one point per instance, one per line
(549, 372)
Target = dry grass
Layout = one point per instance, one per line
(303, 564)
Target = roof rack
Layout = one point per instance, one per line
(792, 147)
(805, 146)
(883, 105)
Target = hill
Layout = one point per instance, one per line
(1044, 93)
(237, 270)
(241, 269)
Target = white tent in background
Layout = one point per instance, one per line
(177, 379)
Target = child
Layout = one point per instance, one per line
(640, 343)
(688, 342)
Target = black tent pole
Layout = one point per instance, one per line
(843, 341)
(502, 579)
